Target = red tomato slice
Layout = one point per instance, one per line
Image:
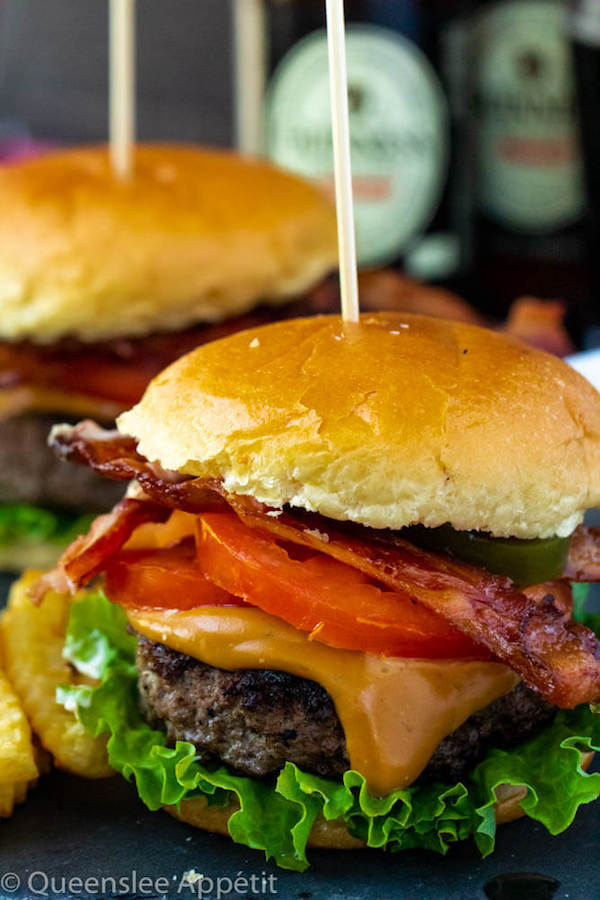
(336, 603)
(169, 578)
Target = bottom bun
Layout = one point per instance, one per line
(334, 835)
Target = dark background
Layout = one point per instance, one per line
(53, 68)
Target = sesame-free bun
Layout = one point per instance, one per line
(200, 814)
(333, 834)
(397, 420)
(194, 236)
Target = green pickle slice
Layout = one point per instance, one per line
(524, 562)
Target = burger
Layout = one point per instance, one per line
(104, 282)
(336, 606)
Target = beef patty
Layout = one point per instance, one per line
(31, 473)
(255, 720)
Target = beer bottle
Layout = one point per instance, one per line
(529, 199)
(399, 123)
(584, 27)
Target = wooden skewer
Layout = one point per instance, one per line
(338, 81)
(249, 31)
(122, 86)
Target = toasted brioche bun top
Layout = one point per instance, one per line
(397, 420)
(194, 236)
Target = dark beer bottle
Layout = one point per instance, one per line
(528, 191)
(584, 27)
(399, 123)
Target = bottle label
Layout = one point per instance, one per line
(530, 168)
(398, 126)
(585, 21)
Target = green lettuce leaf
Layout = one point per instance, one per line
(580, 596)
(20, 522)
(277, 816)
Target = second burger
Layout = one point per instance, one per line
(104, 282)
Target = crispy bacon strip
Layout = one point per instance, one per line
(583, 563)
(87, 555)
(115, 456)
(561, 593)
(557, 657)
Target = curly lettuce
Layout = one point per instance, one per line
(276, 816)
(21, 522)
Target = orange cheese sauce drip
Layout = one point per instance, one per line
(394, 711)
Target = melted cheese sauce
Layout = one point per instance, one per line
(394, 712)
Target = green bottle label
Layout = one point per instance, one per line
(530, 170)
(398, 125)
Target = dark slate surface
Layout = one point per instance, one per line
(73, 829)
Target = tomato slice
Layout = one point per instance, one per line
(164, 578)
(336, 603)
